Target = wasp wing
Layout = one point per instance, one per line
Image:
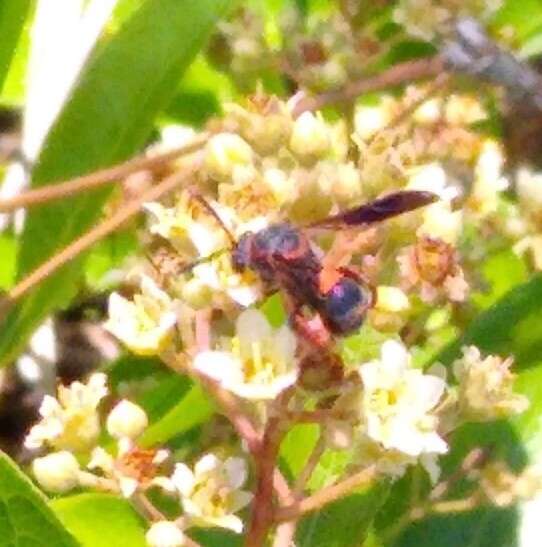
(379, 209)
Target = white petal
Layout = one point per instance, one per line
(128, 486)
(252, 326)
(244, 295)
(261, 392)
(285, 344)
(394, 353)
(183, 479)
(206, 464)
(429, 390)
(240, 499)
(236, 469)
(230, 522)
(220, 365)
(204, 239)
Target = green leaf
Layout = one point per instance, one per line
(25, 518)
(489, 527)
(128, 80)
(13, 15)
(8, 252)
(524, 17)
(194, 409)
(344, 523)
(100, 520)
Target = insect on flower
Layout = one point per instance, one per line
(284, 259)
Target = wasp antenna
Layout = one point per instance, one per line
(378, 210)
(203, 260)
(196, 195)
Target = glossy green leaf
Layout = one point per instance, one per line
(100, 520)
(8, 255)
(344, 523)
(484, 528)
(129, 79)
(13, 15)
(25, 518)
(193, 409)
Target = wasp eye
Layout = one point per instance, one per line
(345, 306)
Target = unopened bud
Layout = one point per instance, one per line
(57, 472)
(310, 136)
(126, 420)
(391, 299)
(224, 153)
(279, 185)
(164, 534)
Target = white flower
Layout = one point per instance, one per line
(370, 119)
(71, 420)
(310, 136)
(126, 420)
(397, 403)
(131, 469)
(486, 386)
(177, 225)
(529, 188)
(146, 324)
(391, 299)
(463, 110)
(219, 276)
(165, 534)
(226, 153)
(261, 362)
(439, 220)
(488, 179)
(57, 472)
(211, 493)
(421, 18)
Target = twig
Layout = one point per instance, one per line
(96, 234)
(71, 187)
(397, 74)
(286, 531)
(310, 465)
(266, 460)
(325, 496)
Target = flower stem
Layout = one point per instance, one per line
(74, 186)
(327, 495)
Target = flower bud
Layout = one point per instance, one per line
(164, 534)
(310, 136)
(196, 293)
(57, 472)
(224, 153)
(126, 420)
(391, 299)
(279, 185)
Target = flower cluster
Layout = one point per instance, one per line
(210, 495)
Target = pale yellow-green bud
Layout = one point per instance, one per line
(279, 185)
(165, 534)
(224, 153)
(196, 293)
(126, 420)
(57, 472)
(391, 299)
(310, 137)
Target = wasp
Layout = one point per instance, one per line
(283, 257)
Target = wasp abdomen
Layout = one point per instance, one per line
(344, 307)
